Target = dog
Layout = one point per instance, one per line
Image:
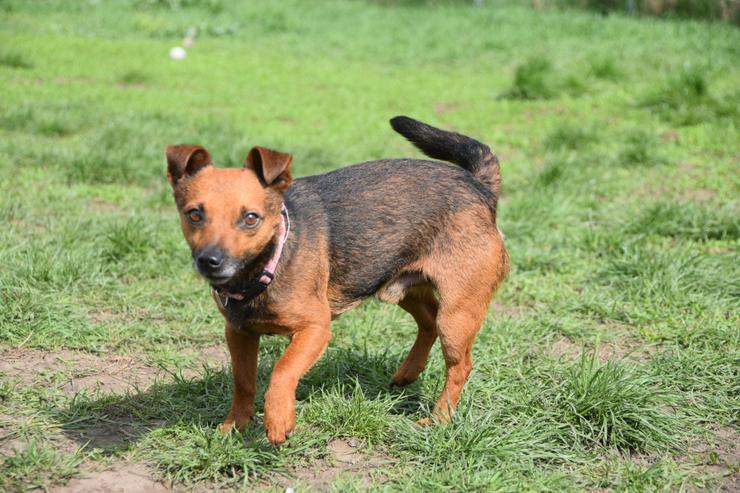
(287, 256)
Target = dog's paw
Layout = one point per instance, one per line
(407, 373)
(232, 423)
(401, 379)
(278, 427)
(440, 418)
(226, 427)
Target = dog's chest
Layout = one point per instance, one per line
(252, 317)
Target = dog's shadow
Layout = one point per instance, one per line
(111, 422)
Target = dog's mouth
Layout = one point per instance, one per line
(216, 280)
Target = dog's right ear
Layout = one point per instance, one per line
(271, 167)
(185, 160)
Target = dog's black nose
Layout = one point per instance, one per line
(210, 259)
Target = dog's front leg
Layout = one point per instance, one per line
(305, 348)
(243, 347)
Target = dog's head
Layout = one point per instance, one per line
(228, 215)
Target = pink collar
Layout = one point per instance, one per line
(257, 286)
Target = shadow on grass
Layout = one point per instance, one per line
(113, 422)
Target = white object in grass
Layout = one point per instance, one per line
(178, 53)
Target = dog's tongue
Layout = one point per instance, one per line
(235, 296)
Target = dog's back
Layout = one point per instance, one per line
(383, 216)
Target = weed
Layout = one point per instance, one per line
(14, 60)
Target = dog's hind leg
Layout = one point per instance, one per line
(457, 324)
(423, 307)
(464, 296)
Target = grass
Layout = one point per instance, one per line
(609, 360)
(685, 99)
(14, 60)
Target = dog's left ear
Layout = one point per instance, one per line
(185, 159)
(271, 167)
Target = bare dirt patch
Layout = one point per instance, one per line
(719, 457)
(78, 370)
(102, 316)
(345, 458)
(513, 311)
(213, 356)
(98, 204)
(624, 348)
(112, 433)
(670, 135)
(13, 441)
(11, 446)
(123, 478)
(698, 194)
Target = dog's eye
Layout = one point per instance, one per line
(195, 216)
(250, 220)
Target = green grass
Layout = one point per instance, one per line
(609, 360)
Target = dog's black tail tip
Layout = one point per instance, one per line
(400, 123)
(452, 147)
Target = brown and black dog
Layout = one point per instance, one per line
(421, 234)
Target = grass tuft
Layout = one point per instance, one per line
(572, 137)
(552, 173)
(640, 149)
(50, 121)
(192, 453)
(131, 238)
(612, 405)
(533, 79)
(133, 77)
(345, 411)
(36, 465)
(606, 68)
(685, 99)
(14, 60)
(688, 221)
(710, 378)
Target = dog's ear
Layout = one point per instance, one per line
(272, 167)
(185, 160)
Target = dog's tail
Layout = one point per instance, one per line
(464, 151)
